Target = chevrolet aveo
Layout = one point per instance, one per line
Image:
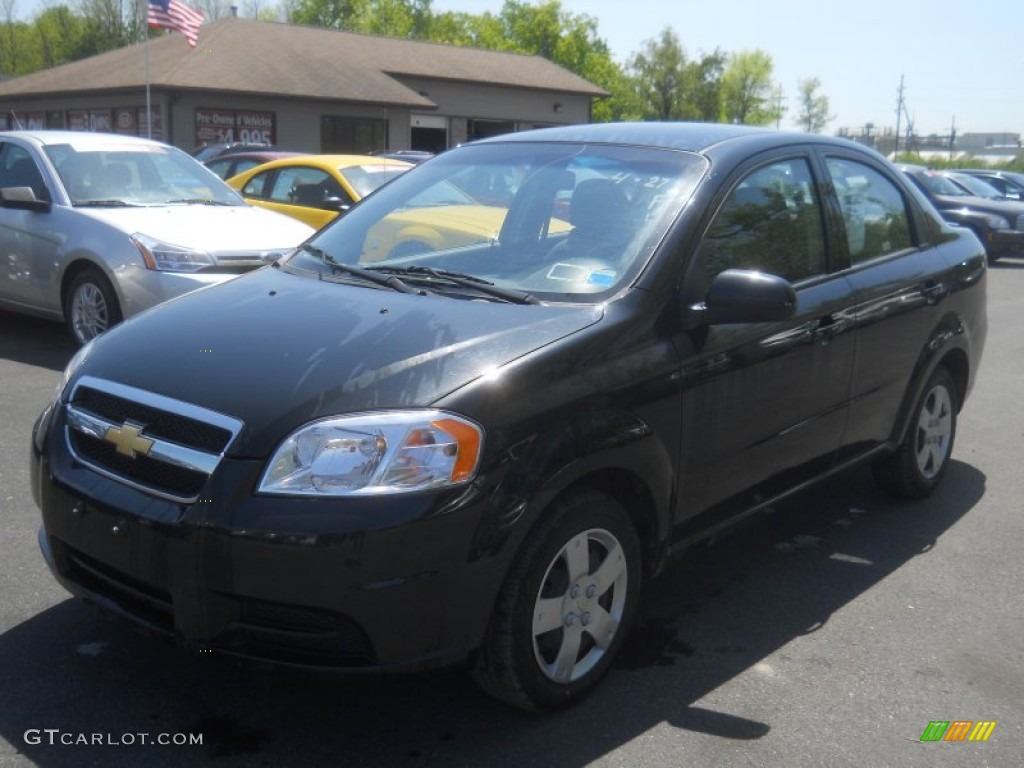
(374, 457)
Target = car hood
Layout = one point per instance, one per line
(212, 228)
(1008, 208)
(277, 350)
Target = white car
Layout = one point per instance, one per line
(96, 227)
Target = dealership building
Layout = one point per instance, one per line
(303, 88)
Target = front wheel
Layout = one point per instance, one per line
(915, 469)
(90, 306)
(566, 606)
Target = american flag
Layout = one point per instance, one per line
(170, 14)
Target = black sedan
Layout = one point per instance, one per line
(476, 430)
(999, 224)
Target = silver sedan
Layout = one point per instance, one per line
(95, 228)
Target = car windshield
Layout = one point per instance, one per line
(136, 174)
(555, 221)
(940, 185)
(976, 186)
(366, 178)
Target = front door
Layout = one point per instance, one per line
(765, 404)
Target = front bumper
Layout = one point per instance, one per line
(1005, 242)
(142, 288)
(352, 585)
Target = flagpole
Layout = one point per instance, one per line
(149, 111)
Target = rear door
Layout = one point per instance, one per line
(894, 271)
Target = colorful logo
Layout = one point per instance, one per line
(958, 730)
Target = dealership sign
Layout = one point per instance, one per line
(214, 126)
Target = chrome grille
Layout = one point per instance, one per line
(177, 445)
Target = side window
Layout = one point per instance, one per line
(18, 169)
(299, 186)
(244, 165)
(222, 167)
(874, 211)
(770, 222)
(254, 187)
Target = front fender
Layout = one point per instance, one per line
(604, 447)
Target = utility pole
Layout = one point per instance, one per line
(778, 106)
(899, 114)
(952, 137)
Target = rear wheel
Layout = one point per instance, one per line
(566, 606)
(90, 306)
(917, 466)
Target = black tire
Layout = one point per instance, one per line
(916, 468)
(542, 660)
(90, 305)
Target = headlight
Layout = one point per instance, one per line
(166, 257)
(375, 453)
(996, 222)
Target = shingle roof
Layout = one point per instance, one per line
(269, 58)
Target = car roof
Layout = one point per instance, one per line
(267, 155)
(689, 137)
(335, 162)
(44, 137)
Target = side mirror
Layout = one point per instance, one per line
(23, 199)
(334, 204)
(745, 296)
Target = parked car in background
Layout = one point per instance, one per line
(205, 152)
(973, 185)
(414, 156)
(98, 227)
(235, 163)
(315, 188)
(999, 224)
(481, 452)
(1010, 183)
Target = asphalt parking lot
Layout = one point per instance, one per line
(828, 633)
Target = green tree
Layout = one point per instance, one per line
(659, 73)
(393, 18)
(704, 87)
(63, 36)
(668, 86)
(17, 50)
(110, 24)
(814, 114)
(747, 89)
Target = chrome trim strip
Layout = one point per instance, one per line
(179, 407)
(162, 450)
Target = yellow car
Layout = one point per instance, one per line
(315, 188)
(438, 219)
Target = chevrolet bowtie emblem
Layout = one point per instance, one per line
(128, 439)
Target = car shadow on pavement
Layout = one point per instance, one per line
(1008, 262)
(717, 613)
(33, 341)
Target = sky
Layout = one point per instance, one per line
(961, 62)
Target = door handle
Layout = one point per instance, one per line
(828, 328)
(933, 291)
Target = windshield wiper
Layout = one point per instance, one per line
(197, 201)
(391, 282)
(106, 204)
(461, 278)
